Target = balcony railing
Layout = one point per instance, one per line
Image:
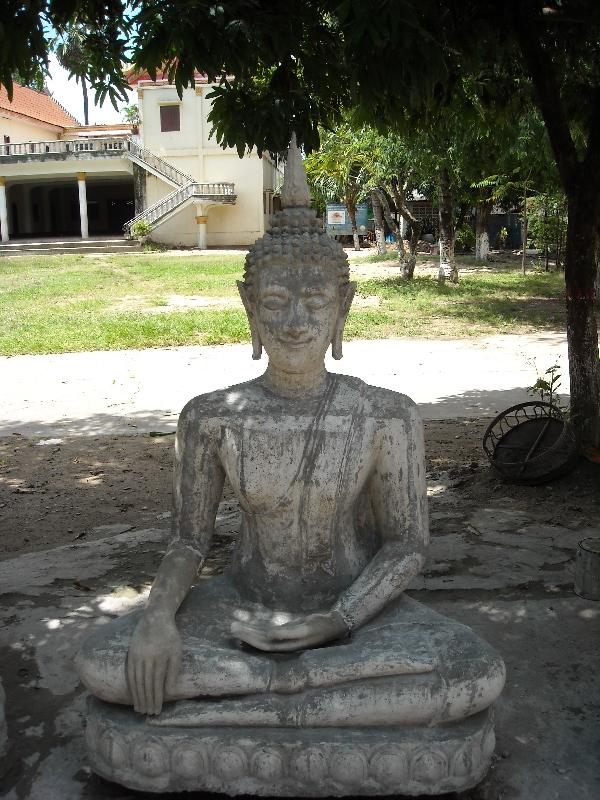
(109, 146)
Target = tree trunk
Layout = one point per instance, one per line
(483, 209)
(86, 116)
(524, 228)
(582, 329)
(410, 260)
(546, 247)
(579, 180)
(447, 269)
(352, 214)
(392, 225)
(598, 268)
(558, 241)
(378, 220)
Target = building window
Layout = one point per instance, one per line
(169, 118)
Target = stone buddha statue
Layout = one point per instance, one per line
(305, 669)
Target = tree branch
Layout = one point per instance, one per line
(545, 83)
(400, 201)
(392, 224)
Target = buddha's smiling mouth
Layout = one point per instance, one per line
(295, 343)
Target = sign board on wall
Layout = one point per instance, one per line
(336, 216)
(338, 223)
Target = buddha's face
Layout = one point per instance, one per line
(296, 312)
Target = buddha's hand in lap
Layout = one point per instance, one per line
(300, 633)
(153, 661)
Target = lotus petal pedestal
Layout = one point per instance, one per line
(288, 762)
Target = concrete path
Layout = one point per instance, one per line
(131, 391)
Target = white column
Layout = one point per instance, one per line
(83, 215)
(3, 210)
(201, 220)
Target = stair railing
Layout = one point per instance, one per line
(159, 164)
(155, 212)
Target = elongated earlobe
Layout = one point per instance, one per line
(346, 302)
(256, 342)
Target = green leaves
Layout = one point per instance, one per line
(341, 169)
(399, 64)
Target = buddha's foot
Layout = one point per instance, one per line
(288, 762)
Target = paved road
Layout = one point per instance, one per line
(140, 390)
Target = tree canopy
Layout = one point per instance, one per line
(298, 64)
(295, 66)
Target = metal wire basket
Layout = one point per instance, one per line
(530, 443)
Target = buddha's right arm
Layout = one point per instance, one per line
(155, 651)
(198, 479)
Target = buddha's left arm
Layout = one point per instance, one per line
(398, 495)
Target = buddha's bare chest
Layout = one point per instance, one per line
(294, 466)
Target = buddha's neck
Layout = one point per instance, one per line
(295, 384)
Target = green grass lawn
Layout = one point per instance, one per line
(58, 304)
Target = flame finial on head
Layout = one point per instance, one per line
(294, 192)
(295, 236)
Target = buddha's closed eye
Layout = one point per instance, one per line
(316, 301)
(313, 301)
(273, 301)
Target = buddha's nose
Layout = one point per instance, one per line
(297, 324)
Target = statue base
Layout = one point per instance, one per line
(288, 762)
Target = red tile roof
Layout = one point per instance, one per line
(133, 77)
(36, 105)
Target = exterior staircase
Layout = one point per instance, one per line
(156, 165)
(186, 190)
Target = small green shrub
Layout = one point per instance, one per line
(465, 239)
(140, 229)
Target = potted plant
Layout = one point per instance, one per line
(534, 442)
(141, 230)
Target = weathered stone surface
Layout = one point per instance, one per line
(408, 665)
(329, 473)
(310, 762)
(498, 519)
(3, 731)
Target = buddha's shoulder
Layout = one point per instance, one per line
(351, 396)
(378, 403)
(231, 401)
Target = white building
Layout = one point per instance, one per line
(61, 179)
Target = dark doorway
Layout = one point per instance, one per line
(119, 212)
(110, 206)
(14, 226)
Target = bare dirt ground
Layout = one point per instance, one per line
(501, 562)
(68, 490)
(360, 268)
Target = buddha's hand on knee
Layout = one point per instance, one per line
(301, 633)
(153, 661)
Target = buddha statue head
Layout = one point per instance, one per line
(296, 288)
